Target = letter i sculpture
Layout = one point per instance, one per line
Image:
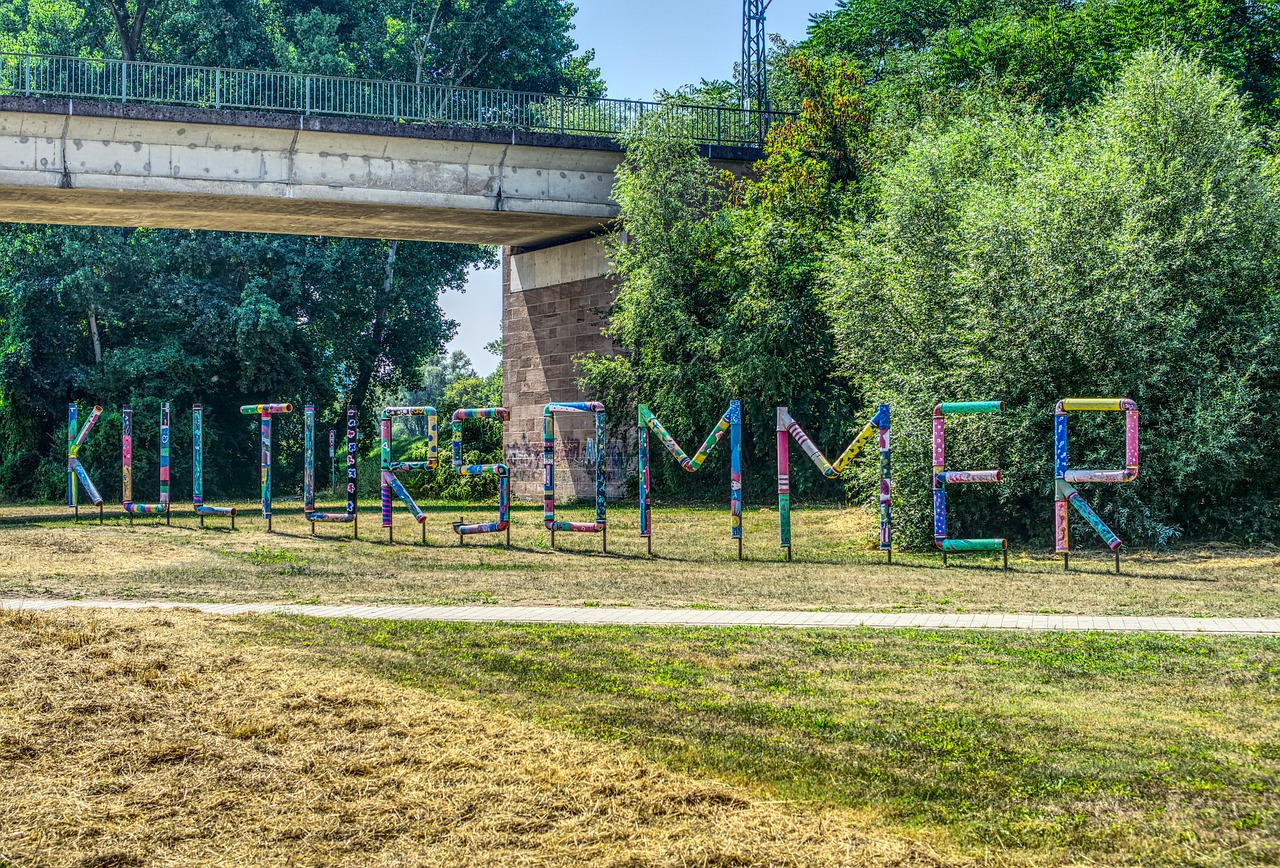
(1065, 492)
(197, 471)
(265, 412)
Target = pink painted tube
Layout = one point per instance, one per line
(1126, 475)
(1131, 439)
(958, 476)
(1060, 519)
(939, 440)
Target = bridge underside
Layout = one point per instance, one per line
(295, 216)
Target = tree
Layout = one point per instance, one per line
(1132, 251)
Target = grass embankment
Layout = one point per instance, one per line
(129, 737)
(134, 738)
(835, 566)
(1092, 748)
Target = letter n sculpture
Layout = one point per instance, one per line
(878, 427)
(126, 470)
(265, 412)
(1063, 488)
(197, 471)
(392, 485)
(76, 436)
(731, 421)
(549, 472)
(499, 470)
(943, 477)
(309, 472)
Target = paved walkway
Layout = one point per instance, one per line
(696, 617)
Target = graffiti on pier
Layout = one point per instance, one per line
(578, 456)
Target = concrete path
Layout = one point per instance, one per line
(695, 617)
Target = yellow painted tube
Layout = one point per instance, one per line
(1091, 404)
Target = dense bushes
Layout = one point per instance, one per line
(1130, 249)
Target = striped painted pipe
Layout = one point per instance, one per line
(788, 429)
(265, 412)
(731, 421)
(499, 470)
(76, 437)
(126, 470)
(942, 477)
(549, 413)
(1065, 493)
(391, 486)
(197, 468)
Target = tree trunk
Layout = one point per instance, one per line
(93, 333)
(128, 25)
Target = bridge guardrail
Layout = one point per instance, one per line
(213, 87)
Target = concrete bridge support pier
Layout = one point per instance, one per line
(555, 301)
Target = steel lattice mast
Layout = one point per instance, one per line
(755, 92)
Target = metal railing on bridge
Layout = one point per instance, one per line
(211, 87)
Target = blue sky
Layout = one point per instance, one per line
(641, 46)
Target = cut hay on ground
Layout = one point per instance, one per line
(145, 738)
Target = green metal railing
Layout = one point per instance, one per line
(210, 87)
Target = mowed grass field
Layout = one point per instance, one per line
(694, 564)
(134, 738)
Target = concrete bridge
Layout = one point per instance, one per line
(544, 195)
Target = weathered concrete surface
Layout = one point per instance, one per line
(122, 171)
(112, 164)
(554, 303)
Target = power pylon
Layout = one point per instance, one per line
(755, 86)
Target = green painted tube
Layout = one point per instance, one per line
(972, 545)
(969, 407)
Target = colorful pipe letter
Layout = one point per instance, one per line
(942, 477)
(390, 484)
(197, 470)
(266, 411)
(76, 437)
(499, 470)
(1065, 492)
(126, 471)
(549, 468)
(731, 421)
(788, 428)
(309, 469)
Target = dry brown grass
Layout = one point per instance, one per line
(143, 738)
(835, 566)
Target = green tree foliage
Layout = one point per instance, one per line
(1134, 251)
(717, 301)
(1059, 55)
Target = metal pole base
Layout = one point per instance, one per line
(889, 554)
(553, 537)
(1066, 561)
(604, 539)
(391, 533)
(739, 548)
(788, 553)
(1117, 562)
(944, 557)
(100, 518)
(1006, 560)
(424, 532)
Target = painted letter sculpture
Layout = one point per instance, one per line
(1063, 488)
(731, 421)
(942, 478)
(788, 428)
(126, 470)
(76, 436)
(499, 470)
(549, 471)
(197, 471)
(390, 484)
(309, 473)
(266, 411)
